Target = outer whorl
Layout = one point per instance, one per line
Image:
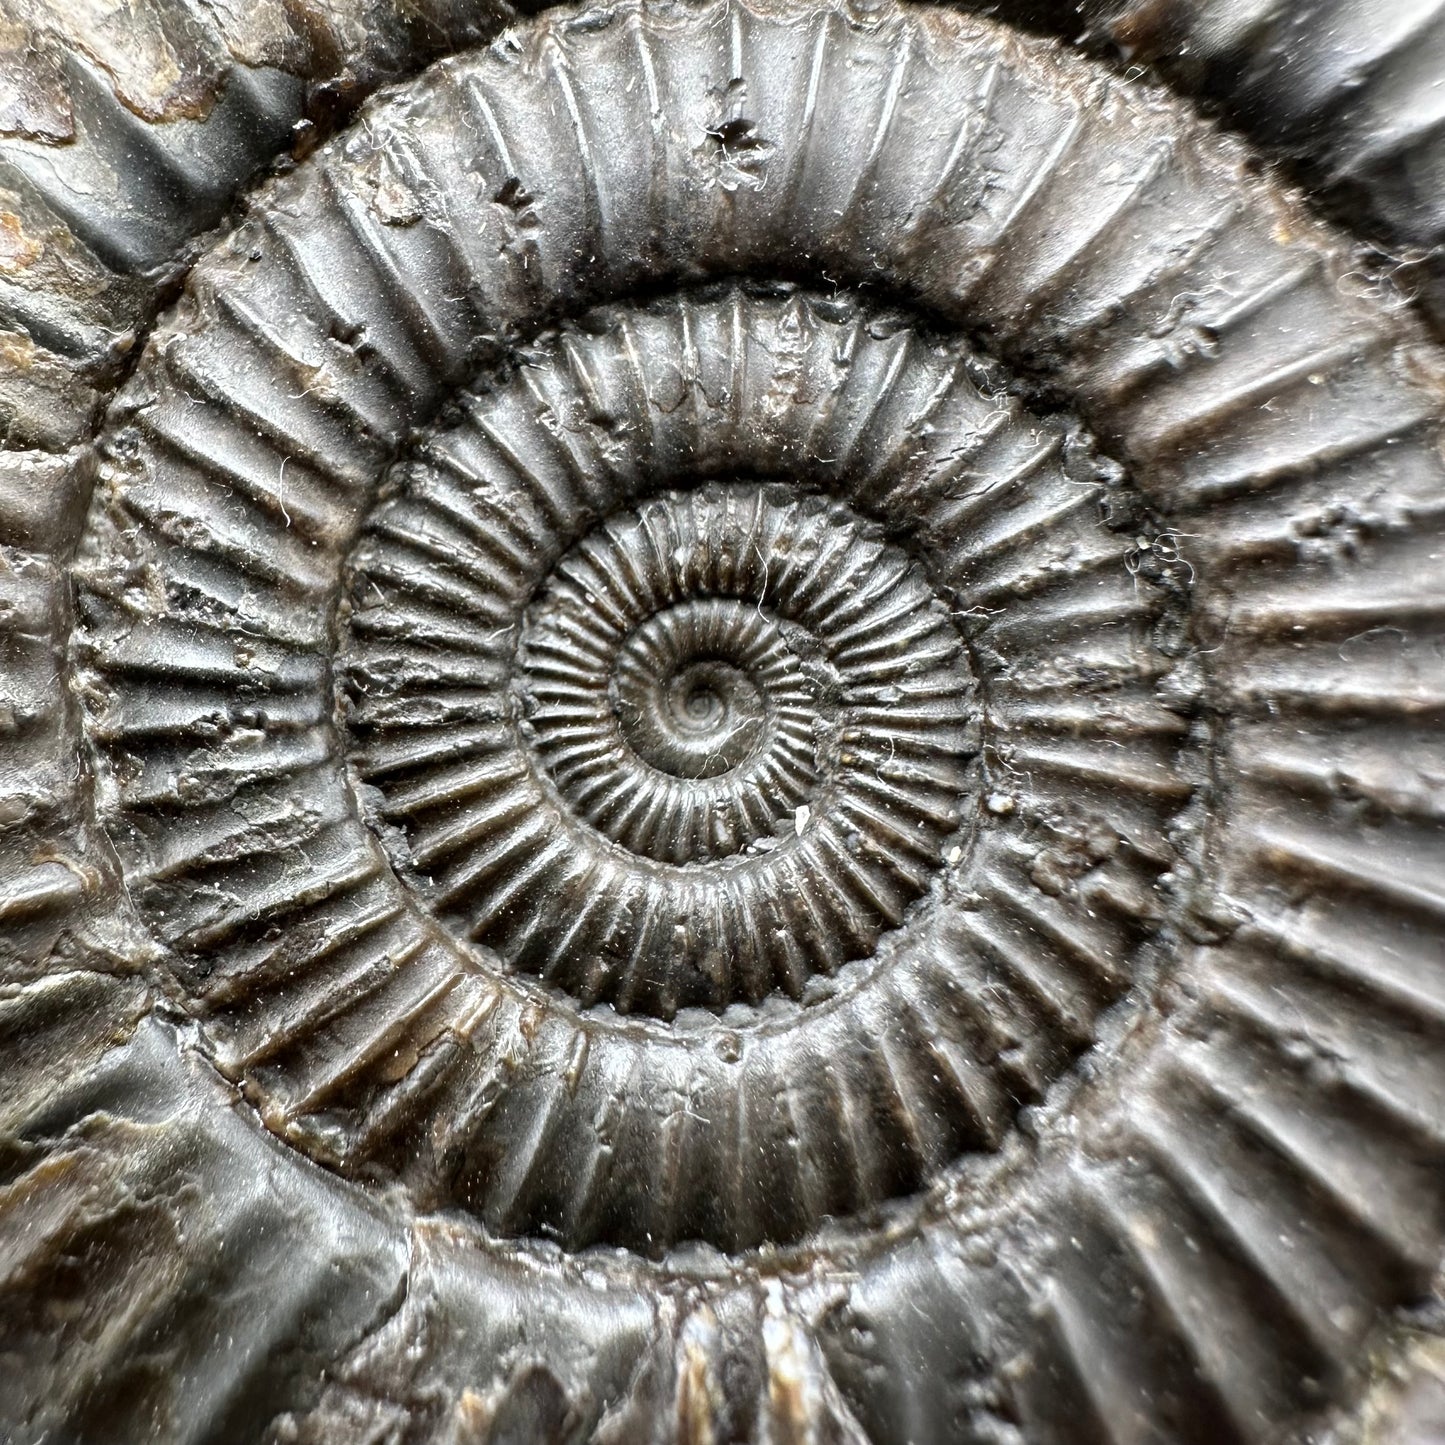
(1350, 93)
(746, 753)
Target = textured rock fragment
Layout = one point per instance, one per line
(489, 1348)
(168, 1273)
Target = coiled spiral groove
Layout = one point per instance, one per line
(730, 672)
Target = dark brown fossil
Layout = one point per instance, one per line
(749, 750)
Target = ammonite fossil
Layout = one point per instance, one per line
(729, 733)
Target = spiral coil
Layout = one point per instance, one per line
(759, 667)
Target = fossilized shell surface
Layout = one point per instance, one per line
(1352, 91)
(747, 750)
(125, 132)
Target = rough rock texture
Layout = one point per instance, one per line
(734, 735)
(127, 131)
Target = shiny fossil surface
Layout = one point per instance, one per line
(747, 751)
(1350, 92)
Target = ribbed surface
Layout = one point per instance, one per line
(477, 720)
(1144, 1016)
(127, 134)
(1352, 89)
(703, 675)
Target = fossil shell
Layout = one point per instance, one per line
(755, 689)
(1351, 91)
(514, 612)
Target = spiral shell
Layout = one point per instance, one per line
(702, 675)
(757, 683)
(520, 616)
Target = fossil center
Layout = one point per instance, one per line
(727, 700)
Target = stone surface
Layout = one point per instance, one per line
(732, 735)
